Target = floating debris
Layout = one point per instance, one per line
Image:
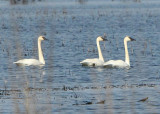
(85, 103)
(142, 100)
(101, 102)
(73, 17)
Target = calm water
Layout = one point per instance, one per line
(63, 85)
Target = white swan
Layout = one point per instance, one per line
(120, 63)
(29, 62)
(96, 61)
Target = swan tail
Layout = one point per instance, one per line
(15, 62)
(19, 61)
(84, 63)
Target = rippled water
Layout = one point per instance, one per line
(63, 85)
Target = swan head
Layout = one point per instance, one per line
(42, 38)
(127, 38)
(100, 38)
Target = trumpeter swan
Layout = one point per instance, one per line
(29, 62)
(120, 63)
(96, 61)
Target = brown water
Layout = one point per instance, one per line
(63, 85)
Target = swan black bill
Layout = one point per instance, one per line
(132, 39)
(44, 38)
(104, 39)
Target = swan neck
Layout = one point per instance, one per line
(40, 53)
(127, 60)
(99, 51)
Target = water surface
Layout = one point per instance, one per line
(63, 85)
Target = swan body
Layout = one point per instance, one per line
(95, 61)
(116, 64)
(121, 63)
(92, 62)
(28, 62)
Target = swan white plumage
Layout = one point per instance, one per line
(28, 62)
(121, 63)
(96, 61)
